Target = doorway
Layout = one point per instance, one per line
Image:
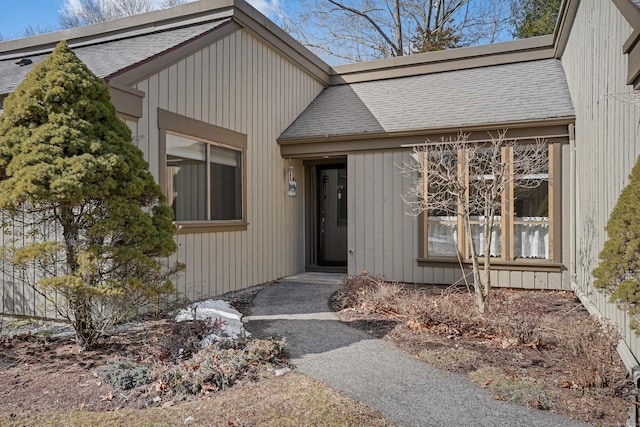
(327, 217)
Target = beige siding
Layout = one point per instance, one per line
(607, 142)
(383, 239)
(241, 84)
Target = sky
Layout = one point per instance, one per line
(16, 15)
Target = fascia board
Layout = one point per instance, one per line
(568, 12)
(454, 64)
(630, 12)
(518, 130)
(259, 25)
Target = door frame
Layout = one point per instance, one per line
(311, 213)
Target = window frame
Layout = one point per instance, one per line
(507, 261)
(176, 124)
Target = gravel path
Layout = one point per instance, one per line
(373, 371)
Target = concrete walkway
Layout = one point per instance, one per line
(373, 371)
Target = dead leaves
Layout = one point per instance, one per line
(414, 325)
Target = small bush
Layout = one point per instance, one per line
(370, 293)
(513, 316)
(125, 375)
(592, 358)
(216, 368)
(453, 314)
(519, 316)
(179, 342)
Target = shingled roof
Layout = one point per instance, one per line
(459, 99)
(108, 58)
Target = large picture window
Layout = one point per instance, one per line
(204, 181)
(204, 171)
(523, 228)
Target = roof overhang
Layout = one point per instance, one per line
(551, 130)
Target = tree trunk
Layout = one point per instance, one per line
(398, 23)
(83, 320)
(79, 299)
(477, 279)
(488, 238)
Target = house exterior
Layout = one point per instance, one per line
(276, 163)
(214, 78)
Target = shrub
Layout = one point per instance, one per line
(216, 368)
(517, 315)
(180, 341)
(94, 226)
(618, 273)
(125, 374)
(592, 358)
(511, 315)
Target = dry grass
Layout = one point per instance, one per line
(448, 358)
(289, 400)
(523, 391)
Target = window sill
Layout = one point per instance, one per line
(497, 264)
(196, 227)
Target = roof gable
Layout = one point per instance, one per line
(134, 47)
(109, 58)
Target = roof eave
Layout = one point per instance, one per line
(524, 50)
(554, 128)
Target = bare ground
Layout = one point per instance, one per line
(539, 349)
(46, 380)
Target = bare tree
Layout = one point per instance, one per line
(93, 11)
(469, 180)
(170, 3)
(359, 30)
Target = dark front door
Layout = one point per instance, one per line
(331, 182)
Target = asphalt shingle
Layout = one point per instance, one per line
(456, 99)
(107, 58)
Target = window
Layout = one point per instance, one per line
(523, 228)
(205, 173)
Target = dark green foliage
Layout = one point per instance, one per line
(618, 273)
(534, 17)
(78, 199)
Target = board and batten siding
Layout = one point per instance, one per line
(383, 239)
(607, 140)
(241, 84)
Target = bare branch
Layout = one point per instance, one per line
(365, 14)
(469, 180)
